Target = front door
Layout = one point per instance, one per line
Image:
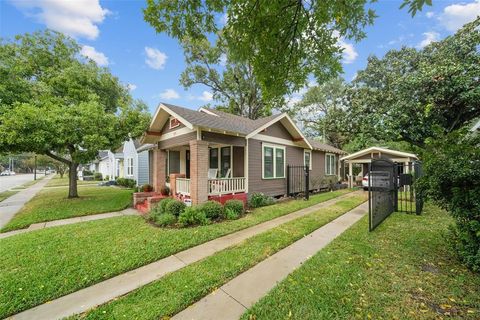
(187, 164)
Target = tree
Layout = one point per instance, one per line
(414, 95)
(54, 104)
(283, 41)
(233, 84)
(322, 111)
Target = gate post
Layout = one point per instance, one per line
(307, 182)
(288, 180)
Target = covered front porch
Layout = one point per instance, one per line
(199, 170)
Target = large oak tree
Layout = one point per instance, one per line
(56, 103)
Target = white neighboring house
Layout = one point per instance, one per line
(109, 164)
(137, 161)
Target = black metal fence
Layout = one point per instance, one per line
(391, 188)
(298, 181)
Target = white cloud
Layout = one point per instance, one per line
(430, 14)
(456, 15)
(223, 59)
(77, 18)
(206, 96)
(429, 37)
(155, 58)
(131, 86)
(95, 55)
(349, 53)
(169, 94)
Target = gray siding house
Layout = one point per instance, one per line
(208, 153)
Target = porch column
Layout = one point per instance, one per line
(350, 174)
(198, 171)
(159, 174)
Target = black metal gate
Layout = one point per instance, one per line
(298, 181)
(391, 188)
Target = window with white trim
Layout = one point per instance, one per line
(307, 159)
(273, 161)
(129, 166)
(330, 164)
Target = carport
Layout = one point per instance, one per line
(365, 156)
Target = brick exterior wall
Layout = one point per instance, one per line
(159, 174)
(198, 171)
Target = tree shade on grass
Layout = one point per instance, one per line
(402, 270)
(63, 182)
(179, 289)
(46, 264)
(52, 204)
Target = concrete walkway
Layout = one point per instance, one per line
(62, 222)
(235, 297)
(10, 206)
(100, 293)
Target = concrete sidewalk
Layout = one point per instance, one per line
(100, 293)
(62, 222)
(235, 297)
(10, 206)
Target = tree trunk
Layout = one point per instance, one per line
(72, 180)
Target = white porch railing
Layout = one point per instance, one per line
(183, 186)
(226, 186)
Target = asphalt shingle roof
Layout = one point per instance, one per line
(325, 147)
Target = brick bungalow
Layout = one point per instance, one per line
(208, 154)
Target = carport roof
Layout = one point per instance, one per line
(381, 150)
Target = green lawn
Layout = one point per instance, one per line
(402, 270)
(46, 264)
(176, 291)
(63, 182)
(53, 204)
(5, 194)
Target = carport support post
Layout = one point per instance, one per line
(350, 174)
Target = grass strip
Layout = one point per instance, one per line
(46, 264)
(178, 290)
(52, 204)
(402, 270)
(5, 194)
(63, 182)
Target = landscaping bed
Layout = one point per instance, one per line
(402, 270)
(176, 291)
(52, 204)
(46, 264)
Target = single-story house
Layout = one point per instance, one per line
(210, 153)
(365, 156)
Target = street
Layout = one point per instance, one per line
(8, 182)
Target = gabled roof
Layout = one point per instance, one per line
(102, 154)
(381, 150)
(317, 145)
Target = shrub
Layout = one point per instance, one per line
(125, 182)
(107, 177)
(175, 207)
(260, 200)
(192, 216)
(212, 209)
(165, 219)
(231, 214)
(147, 188)
(87, 173)
(98, 176)
(452, 175)
(162, 205)
(165, 191)
(234, 205)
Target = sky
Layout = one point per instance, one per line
(114, 34)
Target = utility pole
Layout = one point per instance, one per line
(35, 169)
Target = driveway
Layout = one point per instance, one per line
(8, 182)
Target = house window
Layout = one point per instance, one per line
(330, 164)
(213, 158)
(273, 158)
(307, 159)
(174, 123)
(129, 166)
(226, 160)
